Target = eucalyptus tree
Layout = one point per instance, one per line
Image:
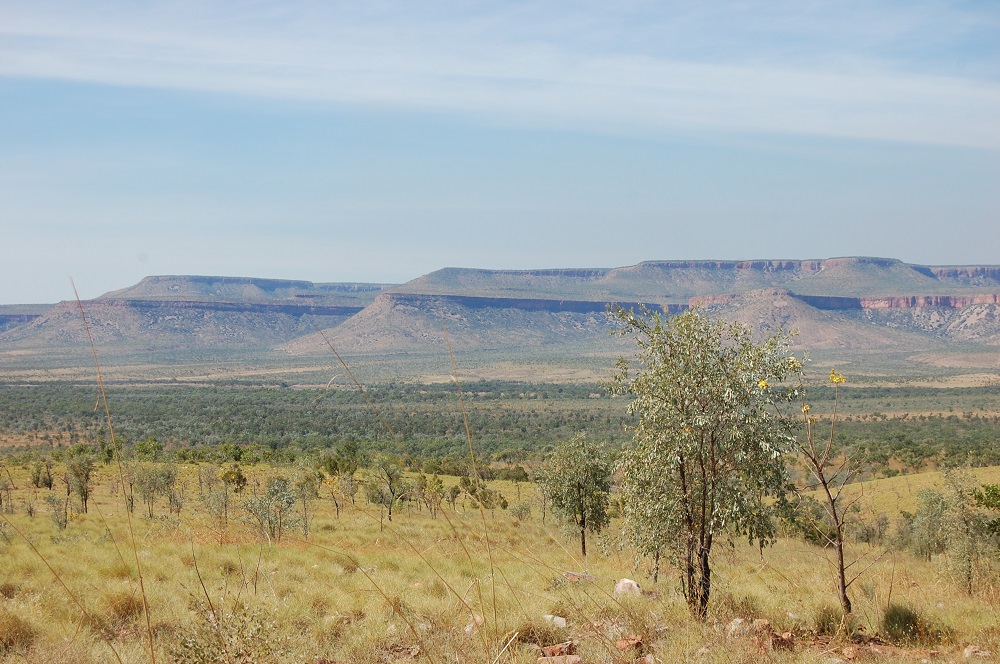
(576, 479)
(708, 448)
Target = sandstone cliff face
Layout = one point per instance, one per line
(912, 301)
(8, 321)
(834, 303)
(295, 309)
(900, 302)
(758, 265)
(524, 304)
(967, 272)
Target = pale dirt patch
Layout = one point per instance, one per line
(988, 360)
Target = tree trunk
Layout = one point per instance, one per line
(705, 578)
(845, 601)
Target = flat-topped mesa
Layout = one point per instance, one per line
(875, 261)
(291, 308)
(178, 287)
(759, 265)
(573, 272)
(522, 303)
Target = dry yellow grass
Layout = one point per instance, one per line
(453, 588)
(892, 495)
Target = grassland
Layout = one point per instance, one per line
(456, 587)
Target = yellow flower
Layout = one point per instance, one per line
(837, 378)
(762, 384)
(806, 408)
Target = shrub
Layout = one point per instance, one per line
(521, 511)
(901, 623)
(243, 636)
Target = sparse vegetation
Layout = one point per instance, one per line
(281, 553)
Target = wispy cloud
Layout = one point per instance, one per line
(914, 72)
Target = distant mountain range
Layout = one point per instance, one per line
(880, 314)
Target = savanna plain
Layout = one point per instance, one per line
(254, 523)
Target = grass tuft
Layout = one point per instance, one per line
(541, 633)
(828, 619)
(16, 634)
(904, 624)
(122, 605)
(9, 590)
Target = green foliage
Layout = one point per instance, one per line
(58, 510)
(41, 474)
(953, 524)
(577, 481)
(153, 480)
(306, 484)
(520, 511)
(807, 519)
(80, 471)
(270, 511)
(928, 529)
(901, 623)
(386, 484)
(234, 478)
(242, 636)
(485, 496)
(708, 446)
(988, 498)
(221, 424)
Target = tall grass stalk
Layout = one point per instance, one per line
(121, 474)
(475, 473)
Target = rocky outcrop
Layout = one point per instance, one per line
(967, 273)
(912, 301)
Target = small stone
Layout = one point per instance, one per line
(976, 652)
(627, 587)
(633, 641)
(703, 651)
(558, 621)
(566, 648)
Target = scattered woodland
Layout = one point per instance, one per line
(704, 504)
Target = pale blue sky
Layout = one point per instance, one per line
(379, 141)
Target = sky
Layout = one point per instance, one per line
(378, 141)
